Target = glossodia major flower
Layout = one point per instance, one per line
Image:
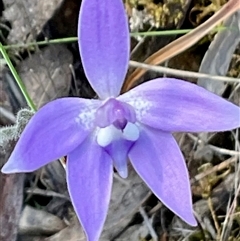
(97, 135)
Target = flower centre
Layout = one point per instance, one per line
(116, 121)
(117, 132)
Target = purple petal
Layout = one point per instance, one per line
(175, 105)
(104, 45)
(159, 162)
(89, 177)
(54, 131)
(118, 150)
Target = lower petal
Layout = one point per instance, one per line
(118, 150)
(159, 162)
(89, 177)
(55, 130)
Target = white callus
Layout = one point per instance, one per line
(107, 135)
(131, 132)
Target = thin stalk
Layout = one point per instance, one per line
(74, 39)
(31, 44)
(17, 78)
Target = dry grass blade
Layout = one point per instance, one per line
(183, 42)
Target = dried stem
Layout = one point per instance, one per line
(183, 73)
(216, 224)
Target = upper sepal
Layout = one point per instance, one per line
(104, 43)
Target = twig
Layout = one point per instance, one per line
(183, 73)
(155, 208)
(149, 225)
(139, 44)
(215, 148)
(229, 217)
(216, 224)
(216, 168)
(224, 151)
(48, 193)
(227, 224)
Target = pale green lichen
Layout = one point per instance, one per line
(9, 134)
(23, 117)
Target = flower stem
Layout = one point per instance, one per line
(17, 78)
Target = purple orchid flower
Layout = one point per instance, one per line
(97, 135)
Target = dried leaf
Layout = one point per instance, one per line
(27, 17)
(219, 55)
(46, 74)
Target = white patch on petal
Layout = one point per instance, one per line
(141, 106)
(107, 135)
(131, 132)
(86, 117)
